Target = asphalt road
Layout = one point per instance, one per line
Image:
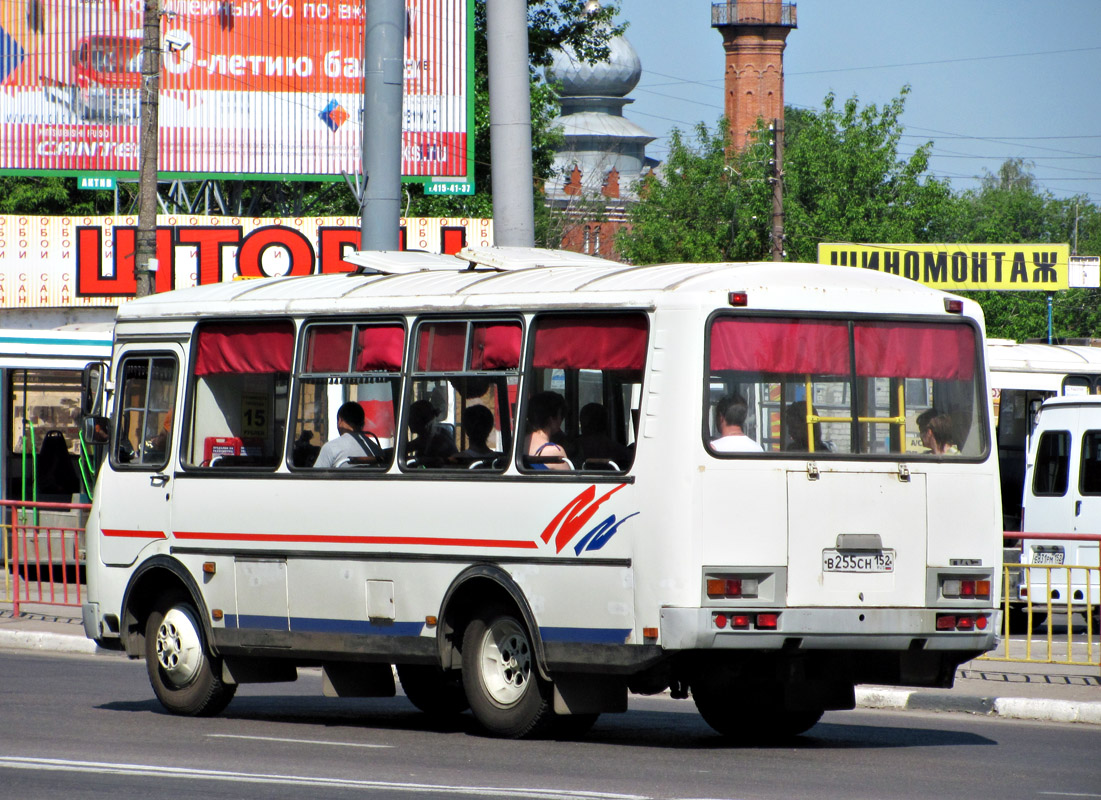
(84, 727)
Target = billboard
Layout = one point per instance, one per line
(961, 267)
(74, 262)
(265, 89)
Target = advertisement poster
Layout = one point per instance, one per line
(70, 262)
(260, 88)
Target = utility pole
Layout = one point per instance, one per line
(777, 180)
(145, 255)
(510, 123)
(383, 82)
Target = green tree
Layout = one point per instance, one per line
(706, 205)
(845, 181)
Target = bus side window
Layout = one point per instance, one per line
(589, 367)
(465, 378)
(357, 362)
(239, 394)
(146, 416)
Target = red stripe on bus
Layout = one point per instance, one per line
(269, 537)
(127, 534)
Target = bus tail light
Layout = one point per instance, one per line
(728, 587)
(962, 622)
(768, 622)
(967, 588)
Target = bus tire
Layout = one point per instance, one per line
(501, 678)
(433, 691)
(184, 675)
(752, 723)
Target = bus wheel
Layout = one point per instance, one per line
(433, 691)
(181, 671)
(751, 724)
(500, 677)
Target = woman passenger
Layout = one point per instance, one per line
(546, 412)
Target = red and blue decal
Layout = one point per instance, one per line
(575, 515)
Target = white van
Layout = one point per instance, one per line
(1063, 496)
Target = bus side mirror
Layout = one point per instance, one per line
(91, 387)
(95, 430)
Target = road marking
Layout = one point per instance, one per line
(1069, 794)
(185, 773)
(293, 741)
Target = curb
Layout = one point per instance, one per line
(1005, 707)
(46, 642)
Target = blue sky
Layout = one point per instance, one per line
(990, 79)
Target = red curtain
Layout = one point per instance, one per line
(914, 350)
(246, 347)
(381, 348)
(596, 342)
(441, 347)
(328, 348)
(780, 346)
(495, 345)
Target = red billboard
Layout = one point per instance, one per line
(259, 88)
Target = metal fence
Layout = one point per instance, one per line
(43, 548)
(1051, 612)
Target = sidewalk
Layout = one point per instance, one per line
(1048, 692)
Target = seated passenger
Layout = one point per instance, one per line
(730, 414)
(352, 442)
(431, 445)
(546, 411)
(796, 418)
(936, 432)
(594, 443)
(478, 424)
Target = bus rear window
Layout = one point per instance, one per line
(834, 386)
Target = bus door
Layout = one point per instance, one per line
(143, 440)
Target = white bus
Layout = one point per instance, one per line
(590, 536)
(1022, 376)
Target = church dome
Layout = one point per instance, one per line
(612, 78)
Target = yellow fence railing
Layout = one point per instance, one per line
(1051, 612)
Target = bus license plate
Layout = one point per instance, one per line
(879, 561)
(1048, 557)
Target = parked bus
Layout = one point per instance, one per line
(43, 458)
(1022, 376)
(593, 533)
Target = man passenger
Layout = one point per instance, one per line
(352, 443)
(730, 414)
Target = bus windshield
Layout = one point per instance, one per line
(875, 387)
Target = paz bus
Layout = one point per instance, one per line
(539, 587)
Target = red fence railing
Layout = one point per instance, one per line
(45, 547)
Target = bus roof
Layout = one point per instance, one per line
(52, 348)
(1040, 367)
(810, 287)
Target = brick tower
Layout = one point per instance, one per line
(754, 33)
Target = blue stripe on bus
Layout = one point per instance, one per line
(366, 627)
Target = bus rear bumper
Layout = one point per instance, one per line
(793, 629)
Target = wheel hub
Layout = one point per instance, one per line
(506, 662)
(179, 647)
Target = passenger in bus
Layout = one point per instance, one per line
(730, 415)
(595, 448)
(936, 431)
(432, 446)
(352, 443)
(546, 412)
(478, 425)
(796, 418)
